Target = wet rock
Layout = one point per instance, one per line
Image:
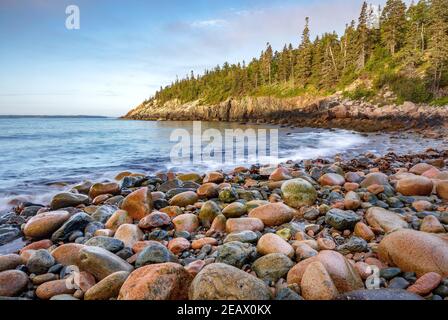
(154, 220)
(287, 294)
(352, 201)
(354, 244)
(273, 214)
(76, 223)
(40, 261)
(12, 283)
(272, 243)
(219, 281)
(384, 219)
(138, 204)
(199, 243)
(389, 273)
(331, 179)
(129, 234)
(208, 190)
(242, 236)
(415, 251)
(108, 288)
(243, 224)
(415, 186)
(118, 218)
(154, 253)
(343, 274)
(44, 224)
(432, 225)
(298, 193)
(166, 281)
(110, 244)
(342, 220)
(272, 267)
(186, 222)
(178, 245)
(215, 177)
(101, 263)
(304, 251)
(103, 213)
(442, 189)
(209, 211)
(364, 232)
(375, 178)
(398, 283)
(228, 195)
(53, 288)
(104, 188)
(184, 199)
(234, 210)
(426, 283)
(67, 254)
(235, 253)
(10, 261)
(66, 199)
(317, 284)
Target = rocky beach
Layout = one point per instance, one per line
(367, 228)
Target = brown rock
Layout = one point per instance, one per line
(12, 283)
(352, 201)
(107, 288)
(350, 186)
(242, 224)
(381, 218)
(332, 179)
(317, 284)
(280, 174)
(41, 244)
(218, 226)
(376, 189)
(219, 281)
(325, 244)
(53, 288)
(415, 251)
(129, 234)
(272, 243)
(186, 222)
(178, 245)
(100, 199)
(273, 214)
(154, 220)
(172, 211)
(426, 283)
(104, 188)
(208, 190)
(432, 225)
(304, 251)
(184, 199)
(422, 205)
(193, 268)
(431, 173)
(10, 261)
(343, 274)
(117, 219)
(44, 224)
(214, 177)
(199, 243)
(375, 178)
(138, 204)
(67, 254)
(420, 168)
(415, 186)
(364, 232)
(164, 281)
(442, 189)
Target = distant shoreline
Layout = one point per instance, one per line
(55, 116)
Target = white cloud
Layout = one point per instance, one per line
(209, 23)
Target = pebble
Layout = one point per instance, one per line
(273, 214)
(272, 243)
(426, 283)
(12, 283)
(298, 193)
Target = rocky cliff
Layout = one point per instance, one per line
(326, 112)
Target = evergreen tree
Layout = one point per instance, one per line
(393, 24)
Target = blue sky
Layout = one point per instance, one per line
(125, 50)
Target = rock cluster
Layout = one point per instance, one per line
(314, 230)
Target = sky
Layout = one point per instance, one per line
(125, 50)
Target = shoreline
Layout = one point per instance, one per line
(282, 230)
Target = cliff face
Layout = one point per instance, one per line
(325, 112)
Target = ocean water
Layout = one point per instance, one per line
(41, 156)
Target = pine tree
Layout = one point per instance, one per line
(362, 36)
(305, 55)
(393, 24)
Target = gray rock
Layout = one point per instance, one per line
(235, 253)
(67, 199)
(154, 253)
(103, 213)
(272, 266)
(246, 236)
(342, 220)
(8, 233)
(77, 222)
(287, 294)
(354, 244)
(40, 262)
(108, 243)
